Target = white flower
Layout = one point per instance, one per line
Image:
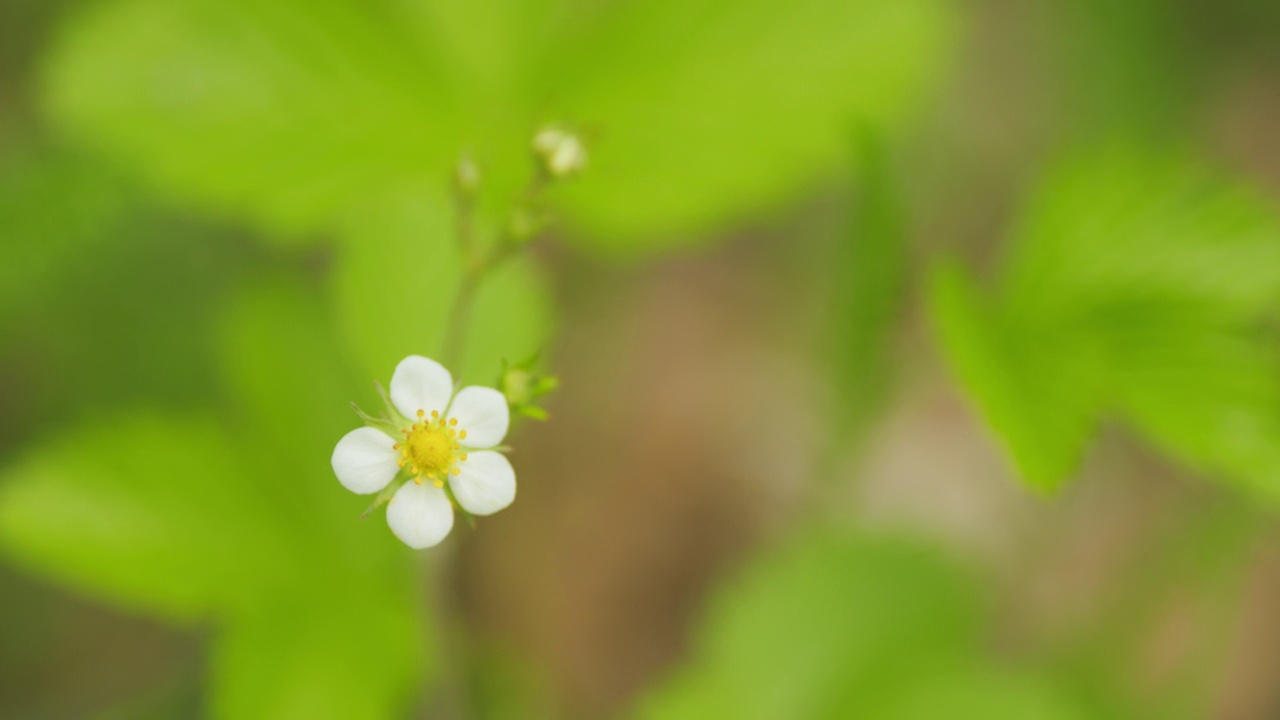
(447, 443)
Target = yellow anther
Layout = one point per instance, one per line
(456, 471)
(462, 434)
(430, 449)
(395, 446)
(462, 457)
(417, 481)
(438, 483)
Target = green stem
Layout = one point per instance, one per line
(449, 698)
(459, 319)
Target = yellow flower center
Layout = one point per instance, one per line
(430, 448)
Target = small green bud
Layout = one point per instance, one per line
(522, 386)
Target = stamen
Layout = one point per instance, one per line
(420, 412)
(462, 457)
(435, 414)
(462, 434)
(453, 421)
(456, 471)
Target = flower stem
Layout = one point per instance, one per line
(515, 237)
(459, 318)
(449, 697)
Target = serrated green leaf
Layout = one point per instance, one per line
(152, 512)
(824, 620)
(280, 112)
(315, 612)
(698, 113)
(1136, 286)
(1043, 420)
(290, 113)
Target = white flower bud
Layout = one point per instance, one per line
(561, 152)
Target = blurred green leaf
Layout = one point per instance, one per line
(55, 208)
(818, 620)
(347, 653)
(346, 640)
(148, 511)
(396, 279)
(1046, 410)
(240, 522)
(1130, 65)
(289, 113)
(980, 695)
(1139, 287)
(278, 111)
(868, 274)
(843, 627)
(71, 346)
(709, 110)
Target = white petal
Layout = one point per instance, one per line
(420, 384)
(364, 460)
(420, 515)
(485, 483)
(483, 413)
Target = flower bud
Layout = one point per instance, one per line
(561, 153)
(522, 387)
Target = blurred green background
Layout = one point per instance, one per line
(919, 359)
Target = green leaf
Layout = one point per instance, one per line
(316, 613)
(290, 113)
(982, 695)
(396, 280)
(1138, 287)
(148, 511)
(281, 358)
(1044, 411)
(819, 622)
(55, 208)
(347, 640)
(348, 654)
(868, 274)
(699, 113)
(833, 626)
(280, 112)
